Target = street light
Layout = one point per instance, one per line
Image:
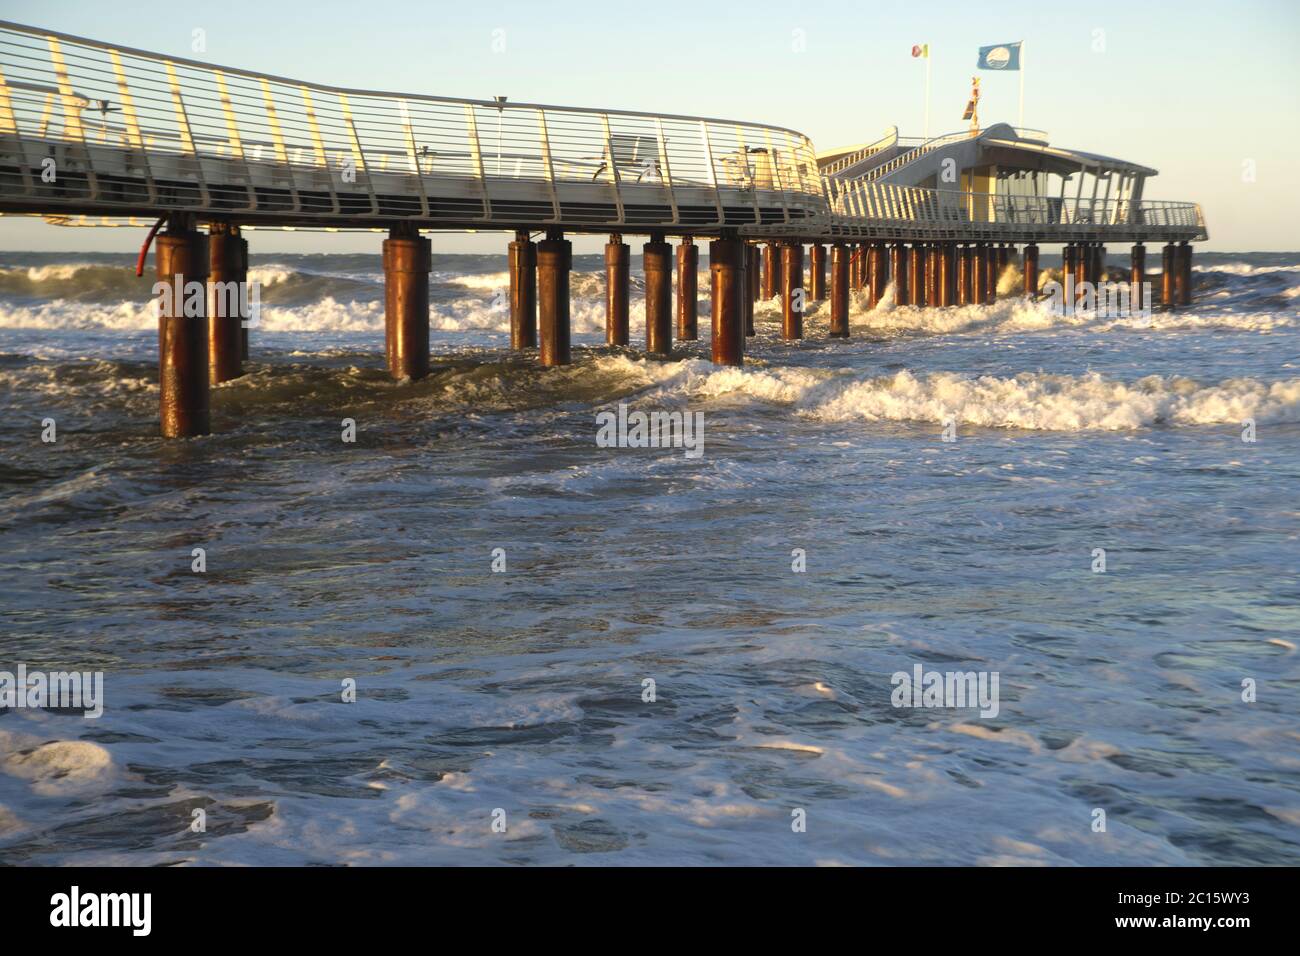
(501, 106)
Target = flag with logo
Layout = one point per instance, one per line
(921, 49)
(1000, 56)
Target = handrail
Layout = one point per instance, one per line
(863, 203)
(218, 138)
(903, 159)
(137, 133)
(844, 162)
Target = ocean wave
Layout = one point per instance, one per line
(1030, 400)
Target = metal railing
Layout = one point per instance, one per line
(890, 138)
(125, 132)
(903, 159)
(866, 203)
(128, 127)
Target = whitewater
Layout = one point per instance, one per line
(932, 492)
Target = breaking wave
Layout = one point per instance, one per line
(1031, 400)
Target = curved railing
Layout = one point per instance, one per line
(128, 128)
(90, 129)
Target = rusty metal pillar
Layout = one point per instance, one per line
(618, 265)
(962, 290)
(840, 255)
(554, 260)
(944, 280)
(991, 273)
(181, 255)
(727, 273)
(792, 291)
(770, 270)
(752, 262)
(1004, 256)
(523, 292)
(688, 290)
(916, 275)
(1168, 262)
(898, 271)
(1031, 271)
(408, 257)
(817, 272)
(1082, 252)
(1183, 283)
(1137, 271)
(657, 263)
(879, 274)
(227, 278)
(979, 274)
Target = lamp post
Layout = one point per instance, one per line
(501, 107)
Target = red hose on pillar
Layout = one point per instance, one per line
(144, 249)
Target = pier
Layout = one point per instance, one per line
(92, 133)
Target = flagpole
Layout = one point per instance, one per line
(927, 92)
(1022, 84)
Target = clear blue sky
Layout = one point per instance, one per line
(1191, 88)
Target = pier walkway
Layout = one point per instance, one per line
(91, 132)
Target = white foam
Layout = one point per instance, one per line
(1032, 400)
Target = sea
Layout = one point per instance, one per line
(475, 634)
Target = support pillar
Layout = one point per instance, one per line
(879, 274)
(408, 257)
(817, 272)
(727, 273)
(523, 292)
(688, 288)
(1081, 253)
(898, 270)
(1137, 271)
(1168, 262)
(979, 274)
(840, 255)
(963, 275)
(657, 263)
(770, 270)
(916, 274)
(1031, 271)
(554, 260)
(751, 263)
(227, 265)
(618, 259)
(792, 291)
(1183, 285)
(181, 255)
(945, 281)
(989, 273)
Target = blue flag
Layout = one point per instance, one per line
(1000, 56)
